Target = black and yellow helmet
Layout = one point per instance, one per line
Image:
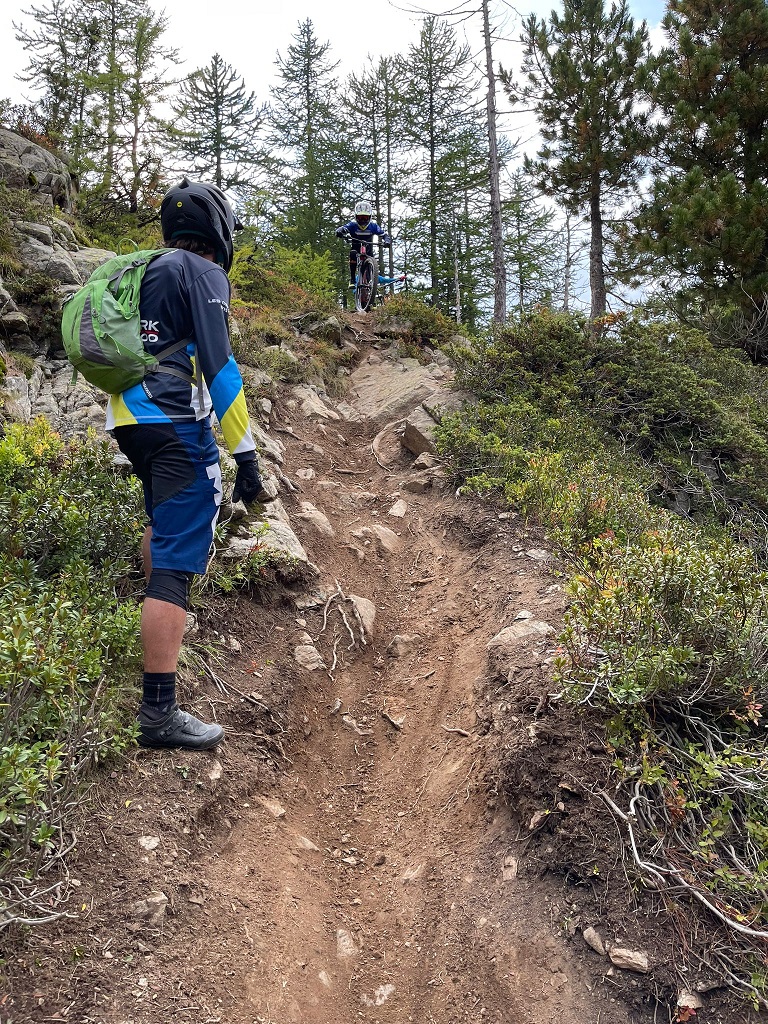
(193, 208)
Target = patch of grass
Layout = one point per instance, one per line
(266, 341)
(261, 569)
(22, 362)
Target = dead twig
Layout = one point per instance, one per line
(461, 732)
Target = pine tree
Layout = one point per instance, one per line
(373, 117)
(117, 19)
(217, 122)
(304, 123)
(533, 249)
(63, 48)
(439, 86)
(588, 73)
(143, 132)
(707, 222)
(494, 175)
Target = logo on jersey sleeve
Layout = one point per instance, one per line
(150, 332)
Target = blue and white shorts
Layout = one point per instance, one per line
(178, 464)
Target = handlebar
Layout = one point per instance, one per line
(347, 237)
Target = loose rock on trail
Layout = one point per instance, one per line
(344, 855)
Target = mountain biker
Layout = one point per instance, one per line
(361, 229)
(163, 426)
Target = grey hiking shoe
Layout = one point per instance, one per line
(178, 729)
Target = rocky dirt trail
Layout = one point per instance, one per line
(374, 876)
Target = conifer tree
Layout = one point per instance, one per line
(707, 222)
(64, 48)
(588, 72)
(118, 19)
(216, 125)
(532, 246)
(304, 123)
(438, 83)
(143, 131)
(373, 114)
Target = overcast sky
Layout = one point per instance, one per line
(249, 33)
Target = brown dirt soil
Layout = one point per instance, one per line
(360, 848)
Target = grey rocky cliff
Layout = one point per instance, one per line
(25, 165)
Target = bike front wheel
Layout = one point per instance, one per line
(365, 286)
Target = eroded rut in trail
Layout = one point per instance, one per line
(379, 895)
(377, 878)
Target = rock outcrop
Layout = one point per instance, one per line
(24, 164)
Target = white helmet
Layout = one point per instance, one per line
(363, 213)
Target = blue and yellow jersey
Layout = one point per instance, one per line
(186, 296)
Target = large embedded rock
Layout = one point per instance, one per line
(25, 165)
(388, 389)
(88, 260)
(445, 403)
(314, 517)
(503, 647)
(16, 402)
(268, 446)
(42, 232)
(312, 404)
(419, 434)
(51, 260)
(386, 541)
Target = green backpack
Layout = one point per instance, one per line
(101, 327)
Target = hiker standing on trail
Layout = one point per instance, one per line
(163, 426)
(361, 229)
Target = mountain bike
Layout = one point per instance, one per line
(366, 277)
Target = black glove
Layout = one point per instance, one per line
(248, 485)
(340, 232)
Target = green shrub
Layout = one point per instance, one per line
(69, 536)
(694, 417)
(285, 280)
(426, 325)
(666, 637)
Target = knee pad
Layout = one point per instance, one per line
(171, 586)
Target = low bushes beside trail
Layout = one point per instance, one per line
(642, 450)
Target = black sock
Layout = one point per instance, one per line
(159, 690)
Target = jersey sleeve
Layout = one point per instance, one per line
(209, 305)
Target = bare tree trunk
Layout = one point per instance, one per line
(456, 285)
(567, 270)
(112, 71)
(497, 235)
(596, 267)
(388, 154)
(376, 175)
(433, 268)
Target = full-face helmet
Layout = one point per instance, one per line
(363, 213)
